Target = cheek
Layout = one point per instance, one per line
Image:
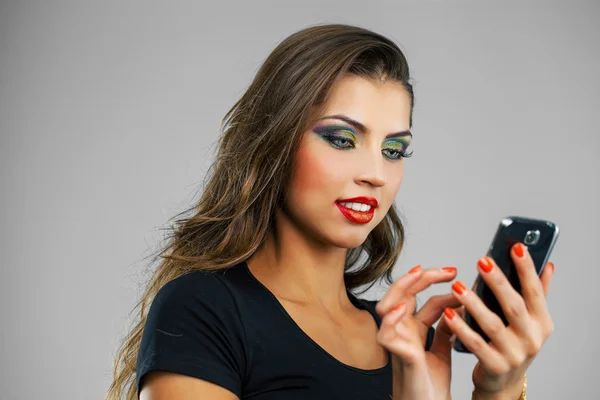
(394, 175)
(396, 180)
(315, 179)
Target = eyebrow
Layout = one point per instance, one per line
(363, 128)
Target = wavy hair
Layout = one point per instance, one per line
(248, 181)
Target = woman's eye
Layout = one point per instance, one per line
(395, 154)
(340, 142)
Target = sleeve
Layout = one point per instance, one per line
(193, 328)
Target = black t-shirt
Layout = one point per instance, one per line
(227, 328)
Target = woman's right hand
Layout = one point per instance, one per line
(418, 374)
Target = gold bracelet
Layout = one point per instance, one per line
(523, 395)
(524, 392)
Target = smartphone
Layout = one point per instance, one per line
(538, 235)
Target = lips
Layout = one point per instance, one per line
(358, 216)
(364, 200)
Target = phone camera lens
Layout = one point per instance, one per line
(532, 237)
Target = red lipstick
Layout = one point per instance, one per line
(372, 201)
(359, 217)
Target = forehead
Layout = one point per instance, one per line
(370, 101)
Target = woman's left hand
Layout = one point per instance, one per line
(504, 360)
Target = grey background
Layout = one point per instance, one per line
(108, 114)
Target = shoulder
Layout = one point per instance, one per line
(193, 328)
(195, 286)
(192, 301)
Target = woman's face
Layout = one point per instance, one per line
(346, 176)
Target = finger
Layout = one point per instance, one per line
(546, 277)
(531, 286)
(491, 324)
(461, 313)
(387, 329)
(434, 307)
(392, 317)
(406, 330)
(431, 276)
(472, 340)
(404, 343)
(410, 284)
(512, 303)
(432, 311)
(398, 335)
(442, 344)
(395, 293)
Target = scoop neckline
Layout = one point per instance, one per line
(355, 300)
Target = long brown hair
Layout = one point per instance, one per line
(247, 182)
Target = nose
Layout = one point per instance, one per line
(371, 171)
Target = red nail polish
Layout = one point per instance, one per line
(451, 270)
(459, 287)
(449, 313)
(519, 249)
(485, 264)
(415, 269)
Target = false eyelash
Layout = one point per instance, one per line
(333, 138)
(403, 154)
(408, 155)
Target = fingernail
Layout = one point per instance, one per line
(485, 264)
(450, 314)
(399, 307)
(459, 287)
(451, 270)
(519, 249)
(551, 265)
(415, 269)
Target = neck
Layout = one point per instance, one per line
(301, 269)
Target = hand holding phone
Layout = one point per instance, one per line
(517, 257)
(538, 235)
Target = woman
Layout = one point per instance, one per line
(254, 297)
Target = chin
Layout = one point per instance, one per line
(348, 239)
